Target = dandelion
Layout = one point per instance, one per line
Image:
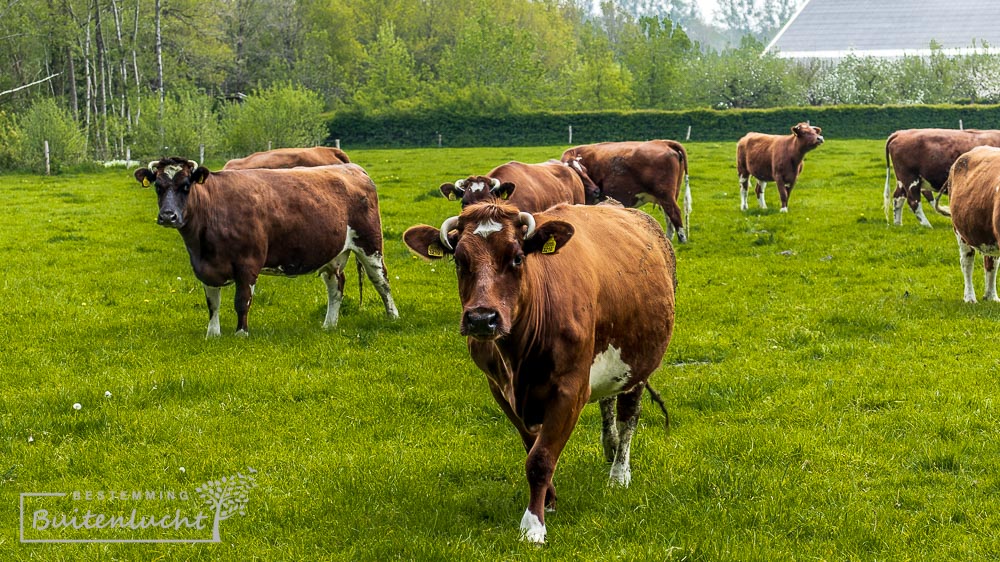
(182, 470)
(31, 439)
(107, 394)
(77, 406)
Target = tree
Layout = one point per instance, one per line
(390, 74)
(656, 56)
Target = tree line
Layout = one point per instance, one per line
(128, 72)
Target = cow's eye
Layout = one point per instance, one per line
(518, 260)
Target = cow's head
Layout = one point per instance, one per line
(494, 246)
(807, 136)
(477, 189)
(592, 193)
(173, 178)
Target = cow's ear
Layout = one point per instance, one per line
(504, 190)
(425, 241)
(451, 192)
(548, 238)
(145, 176)
(200, 174)
(819, 130)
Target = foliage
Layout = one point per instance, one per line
(189, 121)
(801, 427)
(9, 140)
(274, 117)
(46, 121)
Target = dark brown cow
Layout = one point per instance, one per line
(238, 224)
(289, 158)
(636, 173)
(975, 214)
(776, 158)
(918, 155)
(568, 306)
(529, 187)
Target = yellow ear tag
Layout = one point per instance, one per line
(145, 182)
(550, 246)
(435, 250)
(505, 195)
(451, 196)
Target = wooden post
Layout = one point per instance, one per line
(439, 140)
(269, 145)
(48, 168)
(688, 136)
(201, 154)
(128, 155)
(571, 134)
(960, 127)
(336, 142)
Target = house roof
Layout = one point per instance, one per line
(834, 28)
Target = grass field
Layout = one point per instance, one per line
(831, 396)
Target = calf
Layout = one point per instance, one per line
(290, 158)
(239, 224)
(568, 306)
(975, 215)
(774, 158)
(918, 155)
(636, 173)
(538, 186)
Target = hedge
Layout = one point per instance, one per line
(552, 128)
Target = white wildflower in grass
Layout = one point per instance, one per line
(107, 394)
(31, 439)
(77, 406)
(182, 469)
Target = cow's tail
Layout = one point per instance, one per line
(361, 285)
(943, 209)
(655, 397)
(887, 195)
(687, 197)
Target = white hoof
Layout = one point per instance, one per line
(620, 477)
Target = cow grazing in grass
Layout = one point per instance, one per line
(564, 307)
(776, 158)
(636, 173)
(975, 214)
(529, 187)
(290, 158)
(239, 224)
(918, 155)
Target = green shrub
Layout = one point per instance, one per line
(46, 121)
(9, 135)
(275, 117)
(188, 122)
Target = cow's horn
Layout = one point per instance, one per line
(529, 221)
(495, 182)
(460, 185)
(152, 165)
(194, 165)
(448, 224)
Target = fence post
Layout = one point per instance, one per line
(269, 145)
(960, 127)
(48, 169)
(201, 153)
(336, 142)
(571, 134)
(439, 140)
(688, 136)
(128, 155)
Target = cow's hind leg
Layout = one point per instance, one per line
(629, 406)
(913, 198)
(672, 214)
(609, 431)
(990, 269)
(333, 276)
(213, 297)
(744, 191)
(374, 267)
(967, 258)
(760, 193)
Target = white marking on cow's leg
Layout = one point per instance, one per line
(374, 267)
(919, 211)
(621, 471)
(609, 430)
(897, 210)
(744, 190)
(213, 297)
(532, 529)
(760, 193)
(967, 258)
(334, 297)
(990, 293)
(669, 230)
(608, 374)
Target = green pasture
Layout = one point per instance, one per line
(831, 397)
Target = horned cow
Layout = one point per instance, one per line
(529, 187)
(776, 158)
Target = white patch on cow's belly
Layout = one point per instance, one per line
(487, 227)
(991, 250)
(608, 374)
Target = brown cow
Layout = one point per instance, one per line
(290, 158)
(238, 224)
(776, 158)
(636, 173)
(918, 155)
(529, 187)
(568, 306)
(975, 215)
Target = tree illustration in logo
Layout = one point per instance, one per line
(227, 497)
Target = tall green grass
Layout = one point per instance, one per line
(831, 395)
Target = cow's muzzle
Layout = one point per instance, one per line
(169, 219)
(480, 323)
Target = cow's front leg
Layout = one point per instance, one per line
(967, 258)
(913, 198)
(990, 269)
(245, 282)
(629, 406)
(561, 414)
(760, 193)
(213, 297)
(784, 190)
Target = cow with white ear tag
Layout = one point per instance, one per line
(563, 307)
